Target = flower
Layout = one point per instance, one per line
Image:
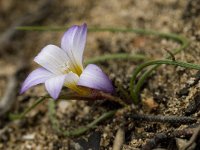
(64, 67)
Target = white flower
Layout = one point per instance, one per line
(64, 66)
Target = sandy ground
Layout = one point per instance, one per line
(172, 90)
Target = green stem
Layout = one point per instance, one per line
(41, 28)
(91, 125)
(183, 41)
(79, 131)
(66, 96)
(23, 114)
(52, 115)
(184, 44)
(134, 57)
(172, 36)
(135, 90)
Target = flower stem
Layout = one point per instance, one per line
(172, 36)
(52, 116)
(183, 41)
(112, 98)
(91, 125)
(135, 89)
(95, 95)
(184, 44)
(23, 114)
(79, 131)
(133, 57)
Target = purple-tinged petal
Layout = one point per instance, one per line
(53, 59)
(38, 76)
(93, 77)
(73, 42)
(54, 85)
(71, 81)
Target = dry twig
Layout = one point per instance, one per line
(192, 139)
(166, 136)
(119, 139)
(164, 119)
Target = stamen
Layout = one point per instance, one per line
(65, 68)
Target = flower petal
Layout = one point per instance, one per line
(53, 59)
(93, 77)
(73, 42)
(71, 81)
(38, 76)
(54, 85)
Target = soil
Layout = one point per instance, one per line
(170, 91)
